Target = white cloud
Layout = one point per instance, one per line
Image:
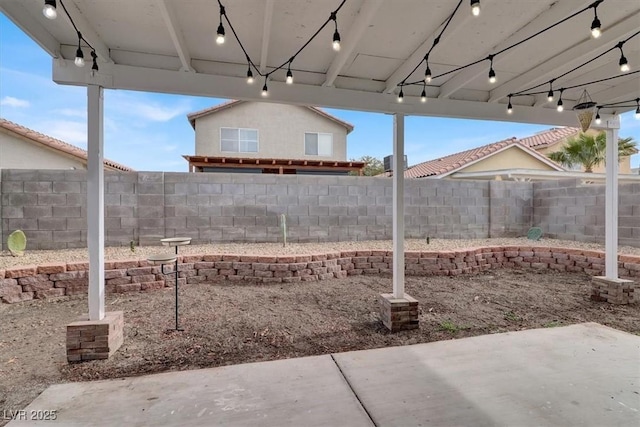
(10, 101)
(72, 112)
(137, 105)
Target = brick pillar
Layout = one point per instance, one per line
(94, 339)
(614, 291)
(399, 314)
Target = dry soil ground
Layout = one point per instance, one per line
(229, 324)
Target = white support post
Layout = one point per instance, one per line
(398, 205)
(611, 208)
(95, 201)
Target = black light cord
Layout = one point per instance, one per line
(74, 26)
(491, 56)
(332, 17)
(618, 45)
(578, 85)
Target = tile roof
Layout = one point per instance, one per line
(217, 108)
(455, 161)
(549, 137)
(55, 144)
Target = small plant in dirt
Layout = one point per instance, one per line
(132, 246)
(17, 243)
(451, 327)
(512, 317)
(552, 324)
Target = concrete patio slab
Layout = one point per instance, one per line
(587, 375)
(308, 391)
(580, 375)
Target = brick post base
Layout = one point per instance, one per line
(94, 339)
(399, 314)
(614, 291)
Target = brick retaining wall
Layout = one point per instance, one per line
(50, 280)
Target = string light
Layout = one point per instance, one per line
(637, 108)
(595, 25)
(79, 61)
(509, 106)
(475, 7)
(400, 95)
(220, 32)
(423, 95)
(492, 73)
(560, 106)
(249, 75)
(289, 73)
(550, 94)
(265, 90)
(336, 34)
(598, 119)
(49, 9)
(94, 56)
(427, 71)
(624, 64)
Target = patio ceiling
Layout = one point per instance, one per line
(169, 46)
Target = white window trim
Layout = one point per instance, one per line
(304, 142)
(239, 129)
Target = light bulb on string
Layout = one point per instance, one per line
(509, 106)
(336, 34)
(400, 95)
(475, 7)
(220, 33)
(79, 60)
(49, 10)
(249, 76)
(265, 90)
(560, 105)
(423, 95)
(492, 73)
(598, 119)
(637, 115)
(596, 30)
(289, 79)
(624, 64)
(550, 94)
(427, 74)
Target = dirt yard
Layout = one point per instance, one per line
(229, 324)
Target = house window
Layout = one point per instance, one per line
(238, 140)
(318, 144)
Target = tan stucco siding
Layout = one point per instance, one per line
(281, 130)
(20, 153)
(511, 158)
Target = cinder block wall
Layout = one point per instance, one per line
(570, 210)
(50, 207)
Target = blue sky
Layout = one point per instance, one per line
(149, 131)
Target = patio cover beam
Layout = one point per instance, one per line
(169, 16)
(20, 16)
(356, 31)
(118, 76)
(266, 34)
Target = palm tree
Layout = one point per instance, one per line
(589, 151)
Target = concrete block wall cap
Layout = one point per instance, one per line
(176, 241)
(162, 258)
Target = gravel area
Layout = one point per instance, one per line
(115, 253)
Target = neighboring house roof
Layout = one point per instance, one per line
(55, 144)
(215, 109)
(447, 165)
(549, 137)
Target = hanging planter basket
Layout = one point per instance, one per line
(585, 109)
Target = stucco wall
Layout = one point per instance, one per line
(21, 153)
(281, 130)
(511, 158)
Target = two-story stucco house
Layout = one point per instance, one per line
(259, 137)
